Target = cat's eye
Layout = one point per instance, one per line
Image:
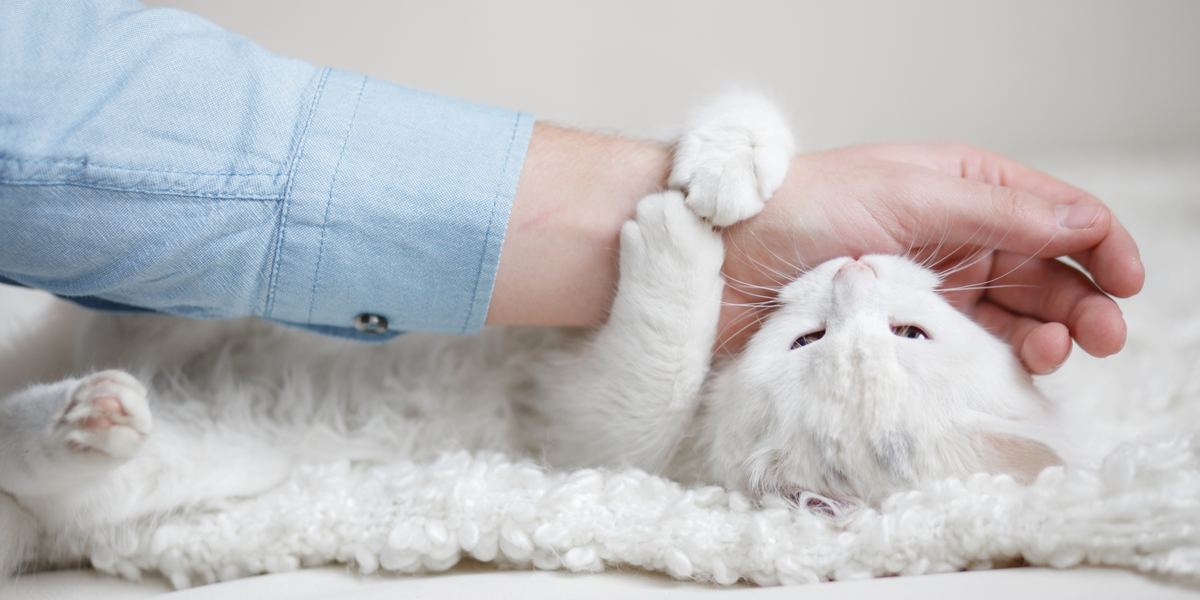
(808, 338)
(911, 332)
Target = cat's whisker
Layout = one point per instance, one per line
(763, 299)
(795, 269)
(770, 274)
(740, 283)
(982, 255)
(1021, 265)
(757, 298)
(760, 266)
(967, 288)
(796, 250)
(756, 317)
(753, 304)
(969, 261)
(769, 295)
(985, 252)
(766, 269)
(981, 252)
(971, 238)
(938, 247)
(912, 244)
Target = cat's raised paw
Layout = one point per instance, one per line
(733, 156)
(106, 414)
(666, 237)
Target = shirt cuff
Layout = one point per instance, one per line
(397, 205)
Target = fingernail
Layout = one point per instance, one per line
(1049, 370)
(1078, 216)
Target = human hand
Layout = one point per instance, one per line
(976, 216)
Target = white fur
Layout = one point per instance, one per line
(732, 156)
(863, 412)
(249, 410)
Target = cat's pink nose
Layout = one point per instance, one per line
(853, 266)
(854, 284)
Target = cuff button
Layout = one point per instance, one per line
(370, 323)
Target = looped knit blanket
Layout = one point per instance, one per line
(1139, 508)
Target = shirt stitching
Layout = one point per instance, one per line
(312, 301)
(487, 237)
(87, 163)
(155, 191)
(297, 155)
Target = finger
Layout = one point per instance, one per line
(1041, 347)
(1050, 291)
(969, 212)
(978, 164)
(989, 167)
(1115, 262)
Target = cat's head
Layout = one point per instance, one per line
(865, 381)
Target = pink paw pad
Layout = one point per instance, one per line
(107, 414)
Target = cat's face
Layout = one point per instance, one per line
(864, 382)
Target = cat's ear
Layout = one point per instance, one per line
(1022, 457)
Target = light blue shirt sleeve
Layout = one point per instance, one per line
(151, 160)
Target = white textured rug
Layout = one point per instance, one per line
(1141, 509)
(1136, 506)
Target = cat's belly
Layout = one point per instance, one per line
(310, 398)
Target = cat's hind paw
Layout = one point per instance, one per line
(732, 156)
(106, 414)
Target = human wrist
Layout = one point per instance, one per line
(558, 265)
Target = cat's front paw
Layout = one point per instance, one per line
(106, 414)
(732, 157)
(666, 240)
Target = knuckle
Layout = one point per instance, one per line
(1008, 202)
(960, 148)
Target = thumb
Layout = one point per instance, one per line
(972, 213)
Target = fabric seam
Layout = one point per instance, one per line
(154, 191)
(294, 161)
(86, 163)
(312, 300)
(491, 222)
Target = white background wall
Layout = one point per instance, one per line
(1028, 77)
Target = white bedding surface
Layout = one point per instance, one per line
(481, 582)
(1135, 188)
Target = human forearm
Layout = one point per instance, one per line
(559, 260)
(244, 184)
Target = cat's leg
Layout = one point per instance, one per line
(70, 434)
(628, 395)
(732, 156)
(18, 536)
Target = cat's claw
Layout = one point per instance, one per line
(106, 414)
(732, 158)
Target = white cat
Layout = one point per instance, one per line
(862, 383)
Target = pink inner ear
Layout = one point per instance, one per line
(820, 506)
(1018, 456)
(825, 506)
